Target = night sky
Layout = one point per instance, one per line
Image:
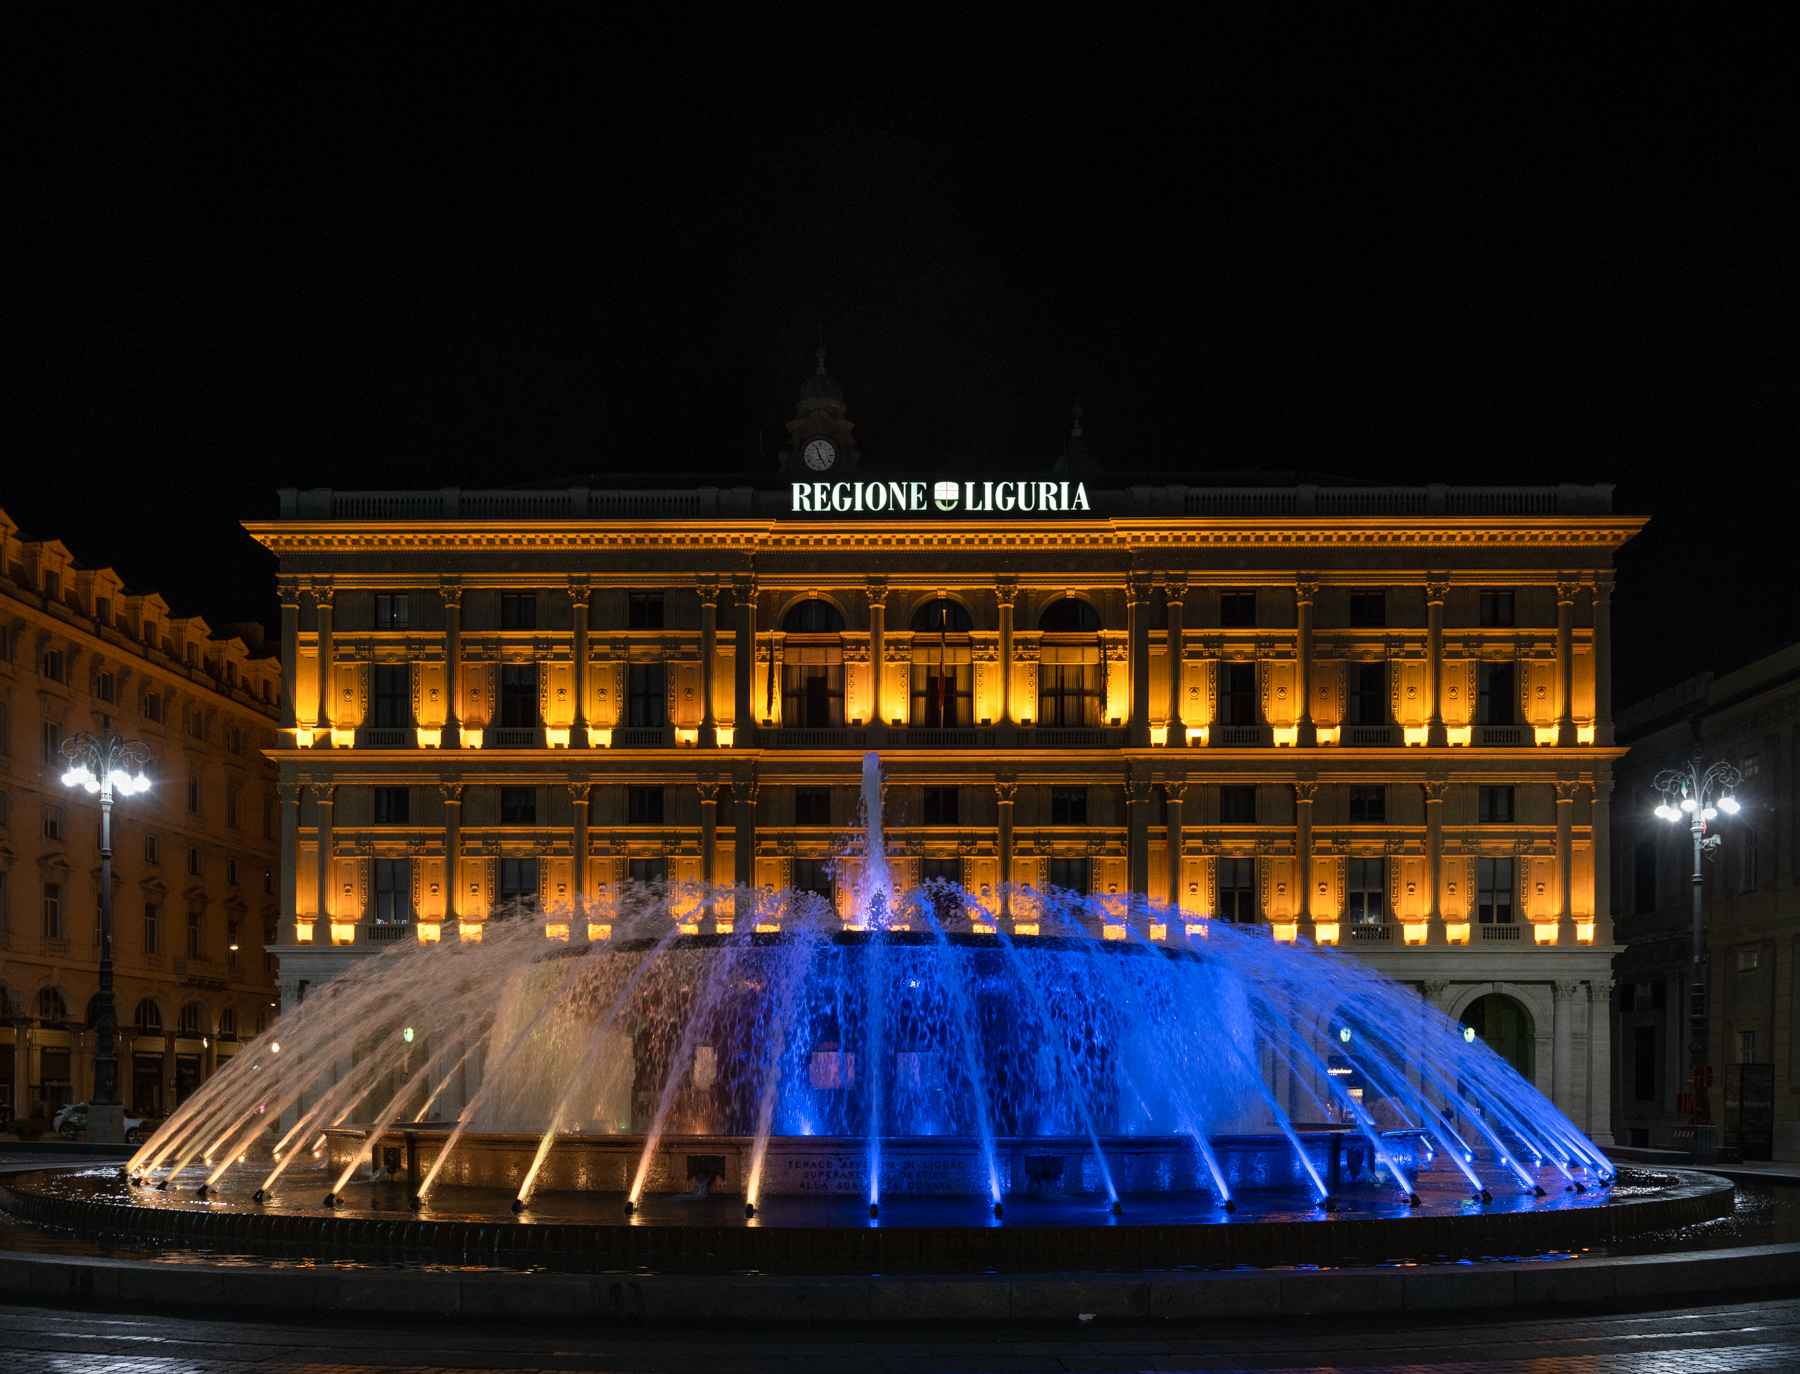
(244, 251)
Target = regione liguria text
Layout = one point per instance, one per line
(907, 498)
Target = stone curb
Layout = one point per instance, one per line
(751, 1299)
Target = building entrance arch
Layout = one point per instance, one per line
(1504, 1025)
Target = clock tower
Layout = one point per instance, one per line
(820, 443)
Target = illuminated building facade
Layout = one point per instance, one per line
(194, 858)
(1371, 716)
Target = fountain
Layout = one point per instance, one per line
(926, 1058)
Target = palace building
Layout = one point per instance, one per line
(1370, 716)
(194, 858)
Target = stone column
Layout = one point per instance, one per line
(321, 592)
(709, 826)
(1137, 820)
(709, 650)
(1603, 721)
(1434, 990)
(1303, 845)
(579, 789)
(1177, 592)
(322, 795)
(452, 594)
(1600, 825)
(578, 728)
(743, 613)
(1435, 735)
(1565, 663)
(743, 797)
(168, 1064)
(1006, 592)
(1600, 1063)
(290, 861)
(1004, 792)
(289, 591)
(1434, 861)
(1562, 1070)
(1565, 862)
(1304, 592)
(1137, 603)
(1177, 792)
(878, 594)
(452, 795)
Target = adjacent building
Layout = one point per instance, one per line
(194, 858)
(1751, 917)
(1372, 716)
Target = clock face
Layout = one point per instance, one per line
(820, 454)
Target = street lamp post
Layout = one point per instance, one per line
(1696, 795)
(105, 765)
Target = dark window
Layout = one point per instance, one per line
(1069, 615)
(1368, 804)
(943, 694)
(107, 688)
(195, 934)
(518, 610)
(390, 611)
(1074, 874)
(1068, 694)
(645, 611)
(1494, 898)
(644, 805)
(518, 695)
(1643, 877)
(53, 911)
(393, 695)
(233, 798)
(193, 863)
(1368, 608)
(813, 875)
(393, 891)
(1643, 1063)
(1237, 694)
(1237, 805)
(1068, 806)
(393, 805)
(518, 880)
(152, 854)
(1496, 608)
(649, 870)
(812, 806)
(52, 741)
(646, 703)
(193, 795)
(53, 822)
(1365, 896)
(518, 806)
(942, 616)
(54, 665)
(1495, 695)
(152, 928)
(1368, 693)
(812, 694)
(1237, 610)
(231, 872)
(153, 707)
(940, 806)
(1495, 804)
(814, 617)
(1237, 891)
(228, 1024)
(942, 878)
(149, 1017)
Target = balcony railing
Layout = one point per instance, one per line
(812, 738)
(512, 737)
(1500, 734)
(1239, 736)
(1503, 934)
(386, 737)
(1062, 737)
(1375, 933)
(941, 739)
(379, 932)
(641, 737)
(1369, 736)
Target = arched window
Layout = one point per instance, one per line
(228, 1024)
(193, 1019)
(149, 1017)
(93, 1010)
(51, 1006)
(942, 616)
(5, 1002)
(1505, 1026)
(1069, 615)
(814, 617)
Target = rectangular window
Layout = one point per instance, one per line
(152, 855)
(1748, 877)
(103, 610)
(646, 701)
(1368, 693)
(1237, 891)
(106, 685)
(518, 880)
(1494, 897)
(1237, 610)
(5, 808)
(231, 872)
(195, 942)
(1747, 1047)
(1068, 695)
(1237, 694)
(193, 864)
(940, 878)
(390, 611)
(53, 911)
(1643, 1064)
(1494, 805)
(152, 928)
(812, 695)
(52, 742)
(193, 795)
(1643, 877)
(518, 806)
(231, 952)
(5, 904)
(393, 693)
(268, 818)
(393, 806)
(231, 807)
(1237, 805)
(55, 665)
(649, 870)
(941, 806)
(53, 585)
(1368, 609)
(5, 727)
(644, 805)
(393, 891)
(234, 740)
(1748, 960)
(812, 806)
(1368, 805)
(153, 707)
(1496, 608)
(53, 822)
(1073, 874)
(813, 875)
(645, 611)
(1495, 694)
(943, 695)
(1365, 894)
(518, 696)
(1068, 806)
(518, 610)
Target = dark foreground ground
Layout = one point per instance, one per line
(1763, 1334)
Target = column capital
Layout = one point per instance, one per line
(1138, 588)
(877, 591)
(1568, 585)
(708, 786)
(743, 585)
(1176, 791)
(323, 792)
(708, 586)
(579, 789)
(1306, 589)
(1565, 790)
(451, 792)
(1004, 792)
(1006, 590)
(1603, 585)
(322, 592)
(1565, 991)
(1600, 991)
(288, 589)
(1434, 989)
(1304, 792)
(1435, 792)
(290, 792)
(1436, 589)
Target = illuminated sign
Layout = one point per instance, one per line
(924, 498)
